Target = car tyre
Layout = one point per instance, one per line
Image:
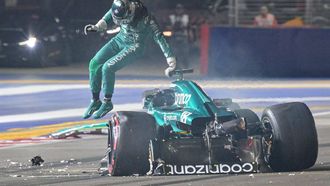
(128, 143)
(251, 118)
(227, 103)
(294, 137)
(249, 115)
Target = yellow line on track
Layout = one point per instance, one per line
(14, 134)
(25, 133)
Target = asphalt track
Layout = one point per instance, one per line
(38, 105)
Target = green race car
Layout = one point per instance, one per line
(184, 132)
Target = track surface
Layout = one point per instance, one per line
(23, 103)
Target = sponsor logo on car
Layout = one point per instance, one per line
(182, 99)
(170, 118)
(210, 169)
(184, 116)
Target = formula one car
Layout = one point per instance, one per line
(185, 132)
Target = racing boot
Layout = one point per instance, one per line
(93, 107)
(106, 107)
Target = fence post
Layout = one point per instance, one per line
(308, 11)
(231, 12)
(236, 4)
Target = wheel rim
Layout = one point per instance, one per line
(267, 139)
(113, 141)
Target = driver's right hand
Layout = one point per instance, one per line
(90, 28)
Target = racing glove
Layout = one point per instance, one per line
(99, 27)
(171, 61)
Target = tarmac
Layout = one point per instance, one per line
(36, 102)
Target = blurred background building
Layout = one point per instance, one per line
(52, 29)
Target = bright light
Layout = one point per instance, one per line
(31, 42)
(167, 33)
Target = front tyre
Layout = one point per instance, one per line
(129, 137)
(294, 144)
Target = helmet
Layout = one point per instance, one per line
(120, 9)
(122, 12)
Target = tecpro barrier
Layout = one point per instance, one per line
(290, 52)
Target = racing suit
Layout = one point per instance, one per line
(124, 48)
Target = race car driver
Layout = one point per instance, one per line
(136, 25)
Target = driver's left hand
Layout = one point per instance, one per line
(171, 66)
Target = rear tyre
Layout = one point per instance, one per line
(234, 106)
(129, 137)
(226, 103)
(251, 118)
(294, 137)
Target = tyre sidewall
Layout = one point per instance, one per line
(294, 144)
(130, 143)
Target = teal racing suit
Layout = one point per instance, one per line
(124, 48)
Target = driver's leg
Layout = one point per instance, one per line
(95, 73)
(123, 58)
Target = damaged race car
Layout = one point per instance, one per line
(185, 132)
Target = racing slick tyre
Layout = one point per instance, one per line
(249, 115)
(252, 120)
(234, 106)
(227, 102)
(128, 143)
(294, 144)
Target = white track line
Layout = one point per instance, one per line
(31, 89)
(23, 90)
(67, 113)
(280, 100)
(321, 114)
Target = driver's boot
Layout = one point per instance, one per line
(105, 108)
(93, 107)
